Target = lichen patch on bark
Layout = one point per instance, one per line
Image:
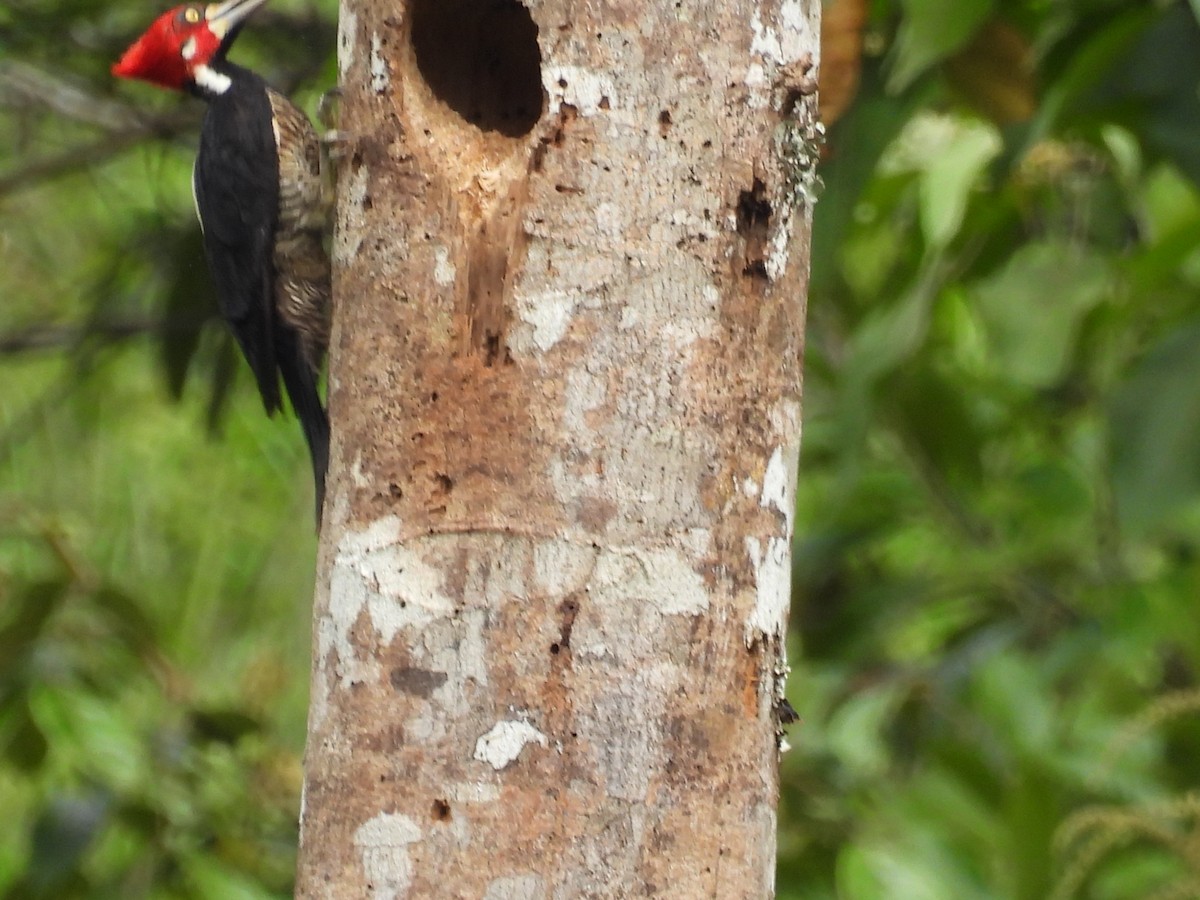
(516, 887)
(504, 742)
(382, 844)
(586, 92)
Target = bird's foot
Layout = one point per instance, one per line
(327, 108)
(333, 142)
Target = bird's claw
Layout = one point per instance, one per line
(327, 108)
(334, 142)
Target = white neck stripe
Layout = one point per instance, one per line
(211, 81)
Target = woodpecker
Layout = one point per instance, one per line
(258, 192)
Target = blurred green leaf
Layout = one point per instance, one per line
(952, 174)
(856, 731)
(66, 828)
(1034, 308)
(206, 878)
(1156, 432)
(1151, 86)
(23, 743)
(127, 615)
(856, 877)
(28, 615)
(929, 32)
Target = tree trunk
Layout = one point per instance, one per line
(570, 267)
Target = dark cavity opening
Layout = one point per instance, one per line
(753, 224)
(753, 210)
(481, 58)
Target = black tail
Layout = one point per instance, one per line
(301, 383)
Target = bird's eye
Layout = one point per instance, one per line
(191, 15)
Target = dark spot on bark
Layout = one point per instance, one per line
(594, 514)
(418, 682)
(753, 226)
(395, 491)
(445, 484)
(441, 810)
(482, 60)
(664, 122)
(753, 211)
(368, 203)
(604, 102)
(492, 346)
(537, 159)
(568, 609)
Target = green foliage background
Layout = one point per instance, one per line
(998, 552)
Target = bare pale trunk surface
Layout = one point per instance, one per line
(570, 271)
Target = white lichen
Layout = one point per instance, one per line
(562, 567)
(504, 742)
(348, 237)
(381, 76)
(347, 38)
(473, 792)
(777, 486)
(610, 220)
(662, 578)
(788, 43)
(548, 315)
(765, 41)
(444, 271)
(382, 844)
(516, 887)
(588, 92)
(772, 586)
(392, 584)
(400, 589)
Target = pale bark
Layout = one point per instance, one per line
(554, 570)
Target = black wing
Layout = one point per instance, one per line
(237, 197)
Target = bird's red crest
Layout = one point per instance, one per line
(167, 54)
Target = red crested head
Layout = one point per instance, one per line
(182, 41)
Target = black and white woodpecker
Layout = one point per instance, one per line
(258, 191)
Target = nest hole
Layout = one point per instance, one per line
(482, 60)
